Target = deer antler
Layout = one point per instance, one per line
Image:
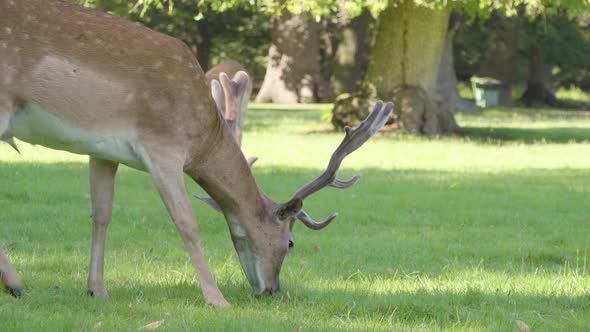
(354, 139)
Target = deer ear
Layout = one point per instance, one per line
(217, 94)
(290, 209)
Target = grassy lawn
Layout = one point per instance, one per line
(463, 233)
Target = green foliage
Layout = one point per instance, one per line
(563, 40)
(457, 234)
(318, 8)
(210, 29)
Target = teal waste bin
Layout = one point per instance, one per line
(486, 91)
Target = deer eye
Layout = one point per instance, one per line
(291, 244)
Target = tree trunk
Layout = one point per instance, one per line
(293, 71)
(404, 66)
(204, 44)
(540, 88)
(446, 85)
(351, 53)
(500, 59)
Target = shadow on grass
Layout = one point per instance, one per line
(319, 308)
(528, 135)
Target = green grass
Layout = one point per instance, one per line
(462, 233)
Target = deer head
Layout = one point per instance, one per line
(263, 245)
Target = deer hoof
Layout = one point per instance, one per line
(219, 303)
(16, 291)
(101, 294)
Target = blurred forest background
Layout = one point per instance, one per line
(421, 54)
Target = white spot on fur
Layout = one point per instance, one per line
(130, 98)
(158, 64)
(8, 30)
(236, 229)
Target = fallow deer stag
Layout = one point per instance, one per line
(79, 80)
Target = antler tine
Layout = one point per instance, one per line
(209, 201)
(310, 223)
(343, 184)
(354, 139)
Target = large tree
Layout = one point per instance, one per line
(345, 48)
(407, 51)
(404, 65)
(447, 89)
(555, 41)
(293, 71)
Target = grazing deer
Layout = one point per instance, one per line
(83, 81)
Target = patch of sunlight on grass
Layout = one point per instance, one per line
(574, 94)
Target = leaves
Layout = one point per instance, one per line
(522, 326)
(152, 325)
(323, 8)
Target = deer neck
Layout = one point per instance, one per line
(227, 178)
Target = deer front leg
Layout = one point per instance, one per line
(8, 276)
(102, 187)
(169, 180)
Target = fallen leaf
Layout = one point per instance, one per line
(96, 326)
(299, 328)
(522, 326)
(144, 220)
(130, 306)
(152, 326)
(317, 248)
(390, 271)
